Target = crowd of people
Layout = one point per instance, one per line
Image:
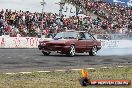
(116, 19)
(19, 23)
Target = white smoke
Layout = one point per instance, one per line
(118, 1)
(129, 3)
(115, 51)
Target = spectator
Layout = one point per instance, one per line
(110, 19)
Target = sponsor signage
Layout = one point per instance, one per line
(86, 81)
(32, 42)
(19, 42)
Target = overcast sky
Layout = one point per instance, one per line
(30, 5)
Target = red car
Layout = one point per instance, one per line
(71, 42)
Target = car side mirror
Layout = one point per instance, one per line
(80, 39)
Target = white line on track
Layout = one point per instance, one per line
(105, 67)
(75, 69)
(10, 73)
(25, 72)
(90, 68)
(43, 71)
(120, 66)
(58, 70)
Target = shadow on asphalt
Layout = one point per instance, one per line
(63, 55)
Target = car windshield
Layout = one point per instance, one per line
(66, 35)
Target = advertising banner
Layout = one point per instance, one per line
(32, 42)
(19, 42)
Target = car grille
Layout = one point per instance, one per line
(51, 45)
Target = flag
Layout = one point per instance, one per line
(84, 73)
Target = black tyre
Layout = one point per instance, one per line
(93, 51)
(46, 53)
(71, 51)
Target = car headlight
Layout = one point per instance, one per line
(41, 43)
(44, 43)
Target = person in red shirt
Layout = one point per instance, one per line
(8, 28)
(47, 30)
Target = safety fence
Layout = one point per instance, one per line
(32, 42)
(115, 40)
(19, 42)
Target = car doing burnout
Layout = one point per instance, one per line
(71, 42)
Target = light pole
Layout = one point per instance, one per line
(43, 4)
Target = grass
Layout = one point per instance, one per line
(68, 79)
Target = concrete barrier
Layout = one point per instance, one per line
(116, 43)
(32, 42)
(19, 42)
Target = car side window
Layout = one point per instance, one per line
(82, 35)
(88, 36)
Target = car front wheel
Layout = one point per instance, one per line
(93, 51)
(71, 51)
(46, 53)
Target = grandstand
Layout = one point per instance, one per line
(101, 18)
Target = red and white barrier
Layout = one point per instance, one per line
(19, 42)
(32, 42)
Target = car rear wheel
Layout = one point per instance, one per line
(46, 53)
(93, 51)
(71, 51)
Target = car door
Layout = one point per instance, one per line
(81, 43)
(90, 41)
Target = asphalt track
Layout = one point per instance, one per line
(18, 60)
